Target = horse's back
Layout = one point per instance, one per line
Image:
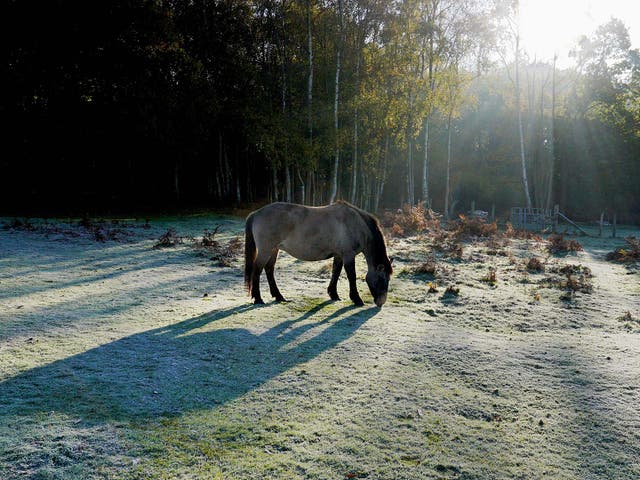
(308, 233)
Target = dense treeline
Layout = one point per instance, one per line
(148, 104)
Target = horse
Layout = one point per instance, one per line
(339, 230)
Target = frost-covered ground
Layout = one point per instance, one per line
(118, 360)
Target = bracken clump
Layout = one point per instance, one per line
(628, 254)
(557, 244)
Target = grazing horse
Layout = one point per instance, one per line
(340, 231)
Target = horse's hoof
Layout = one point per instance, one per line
(358, 302)
(335, 298)
(281, 300)
(258, 301)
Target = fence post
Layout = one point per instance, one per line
(556, 210)
(493, 212)
(601, 222)
(613, 233)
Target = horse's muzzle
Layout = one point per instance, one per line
(381, 300)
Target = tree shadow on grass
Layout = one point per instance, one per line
(169, 371)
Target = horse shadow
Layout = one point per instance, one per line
(172, 370)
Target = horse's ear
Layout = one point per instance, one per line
(380, 268)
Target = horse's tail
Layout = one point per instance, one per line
(249, 252)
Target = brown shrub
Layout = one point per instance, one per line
(429, 267)
(226, 255)
(448, 248)
(579, 283)
(472, 227)
(454, 250)
(451, 291)
(491, 277)
(571, 269)
(575, 278)
(235, 245)
(209, 238)
(630, 322)
(628, 254)
(397, 231)
(168, 239)
(223, 255)
(440, 238)
(17, 224)
(535, 265)
(411, 220)
(511, 232)
(557, 244)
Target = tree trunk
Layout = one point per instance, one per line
(302, 187)
(217, 169)
(364, 191)
(410, 153)
(287, 173)
(448, 177)
(383, 178)
(176, 181)
(309, 99)
(274, 171)
(336, 161)
(525, 182)
(227, 176)
(314, 199)
(219, 182)
(552, 151)
(286, 195)
(354, 176)
(248, 170)
(425, 164)
(410, 173)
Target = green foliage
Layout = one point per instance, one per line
(201, 103)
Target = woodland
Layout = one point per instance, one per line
(148, 105)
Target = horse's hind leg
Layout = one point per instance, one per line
(350, 268)
(268, 269)
(258, 265)
(337, 268)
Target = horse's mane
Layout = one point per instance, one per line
(379, 253)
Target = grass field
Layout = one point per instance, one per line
(118, 360)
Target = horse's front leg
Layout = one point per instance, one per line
(337, 268)
(350, 268)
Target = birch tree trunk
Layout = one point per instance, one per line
(552, 152)
(287, 178)
(218, 171)
(309, 102)
(448, 175)
(274, 172)
(425, 165)
(336, 161)
(287, 191)
(525, 182)
(354, 175)
(383, 178)
(302, 186)
(410, 153)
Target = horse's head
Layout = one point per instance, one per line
(378, 281)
